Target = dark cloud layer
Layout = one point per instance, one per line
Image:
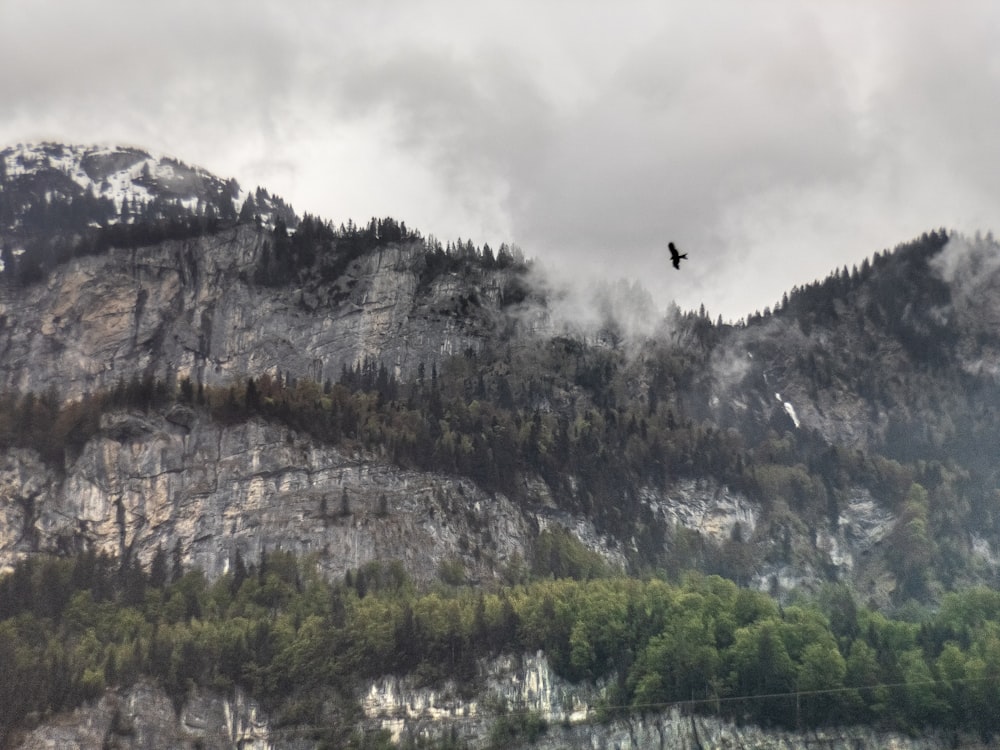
(773, 140)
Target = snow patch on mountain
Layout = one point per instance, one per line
(789, 409)
(117, 173)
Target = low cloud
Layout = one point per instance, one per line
(968, 265)
(618, 313)
(971, 268)
(773, 141)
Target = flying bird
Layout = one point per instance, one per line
(675, 257)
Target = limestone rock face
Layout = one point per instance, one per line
(179, 481)
(143, 718)
(528, 685)
(191, 309)
(146, 482)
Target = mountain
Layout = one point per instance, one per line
(197, 382)
(55, 195)
(60, 175)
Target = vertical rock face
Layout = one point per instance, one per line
(143, 718)
(179, 481)
(525, 683)
(190, 309)
(713, 509)
(529, 686)
(146, 482)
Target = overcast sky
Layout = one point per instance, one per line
(772, 140)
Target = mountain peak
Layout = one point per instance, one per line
(114, 172)
(48, 188)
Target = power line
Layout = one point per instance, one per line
(799, 693)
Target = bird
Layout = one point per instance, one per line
(675, 256)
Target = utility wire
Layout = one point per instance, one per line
(798, 693)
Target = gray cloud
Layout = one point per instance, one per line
(773, 141)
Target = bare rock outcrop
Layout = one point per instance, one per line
(213, 491)
(191, 308)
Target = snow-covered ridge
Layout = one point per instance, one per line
(98, 186)
(119, 173)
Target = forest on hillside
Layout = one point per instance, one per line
(599, 422)
(596, 422)
(71, 628)
(597, 427)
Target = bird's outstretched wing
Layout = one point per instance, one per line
(675, 256)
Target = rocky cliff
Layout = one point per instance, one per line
(517, 693)
(563, 715)
(180, 480)
(143, 718)
(187, 308)
(212, 491)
